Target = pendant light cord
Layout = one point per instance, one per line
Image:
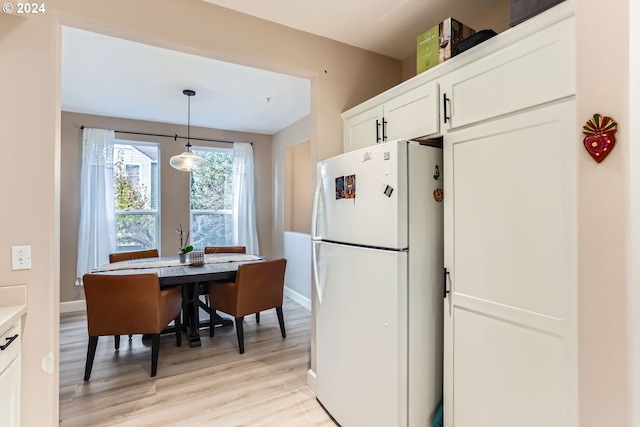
(189, 123)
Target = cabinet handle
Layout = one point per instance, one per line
(377, 130)
(445, 100)
(446, 276)
(10, 340)
(384, 130)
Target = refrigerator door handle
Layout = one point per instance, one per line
(316, 276)
(316, 205)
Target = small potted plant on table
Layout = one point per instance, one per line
(185, 248)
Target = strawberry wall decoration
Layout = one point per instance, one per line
(599, 140)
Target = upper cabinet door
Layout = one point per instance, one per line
(531, 71)
(413, 114)
(409, 115)
(364, 129)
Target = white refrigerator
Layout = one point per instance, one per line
(378, 271)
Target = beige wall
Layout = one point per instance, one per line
(292, 136)
(30, 216)
(298, 180)
(340, 77)
(604, 254)
(633, 266)
(174, 195)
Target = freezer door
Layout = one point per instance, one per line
(361, 197)
(361, 335)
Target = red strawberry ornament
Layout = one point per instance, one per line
(599, 140)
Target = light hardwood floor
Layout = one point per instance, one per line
(211, 385)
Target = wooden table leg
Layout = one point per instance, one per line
(190, 297)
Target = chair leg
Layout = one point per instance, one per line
(91, 353)
(178, 326)
(155, 348)
(258, 317)
(281, 321)
(116, 341)
(240, 333)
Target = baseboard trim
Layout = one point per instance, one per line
(311, 380)
(73, 306)
(299, 298)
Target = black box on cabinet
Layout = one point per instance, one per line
(521, 10)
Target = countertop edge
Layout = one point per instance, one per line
(9, 316)
(13, 305)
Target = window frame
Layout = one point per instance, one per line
(196, 149)
(156, 212)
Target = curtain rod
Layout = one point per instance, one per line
(175, 137)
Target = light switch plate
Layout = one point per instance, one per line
(20, 257)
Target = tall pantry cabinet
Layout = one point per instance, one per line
(510, 150)
(506, 112)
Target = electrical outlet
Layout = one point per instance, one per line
(20, 257)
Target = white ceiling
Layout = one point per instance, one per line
(108, 76)
(388, 27)
(113, 77)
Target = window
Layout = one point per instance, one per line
(212, 199)
(135, 180)
(133, 174)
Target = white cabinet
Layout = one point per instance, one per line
(363, 129)
(10, 342)
(510, 208)
(510, 251)
(411, 114)
(531, 71)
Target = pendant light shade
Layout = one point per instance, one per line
(188, 161)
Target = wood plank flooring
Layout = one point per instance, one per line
(211, 385)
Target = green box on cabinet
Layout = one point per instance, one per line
(438, 44)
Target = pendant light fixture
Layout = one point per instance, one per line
(187, 161)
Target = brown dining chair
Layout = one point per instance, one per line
(219, 250)
(121, 304)
(127, 256)
(225, 250)
(258, 286)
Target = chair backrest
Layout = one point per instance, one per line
(119, 304)
(225, 250)
(260, 286)
(126, 256)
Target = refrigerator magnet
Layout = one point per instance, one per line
(350, 187)
(368, 155)
(386, 189)
(438, 194)
(340, 187)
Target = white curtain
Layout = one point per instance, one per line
(244, 198)
(96, 234)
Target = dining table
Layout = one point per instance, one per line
(193, 278)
